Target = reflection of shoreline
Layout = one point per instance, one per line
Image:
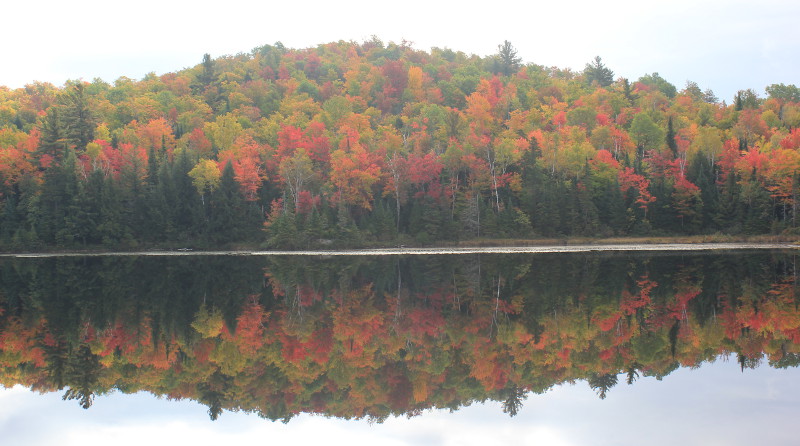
(437, 251)
(377, 336)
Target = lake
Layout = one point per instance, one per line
(612, 347)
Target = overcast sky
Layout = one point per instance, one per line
(725, 45)
(717, 404)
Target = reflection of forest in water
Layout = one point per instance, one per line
(377, 336)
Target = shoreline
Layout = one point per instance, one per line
(541, 248)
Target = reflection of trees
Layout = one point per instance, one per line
(513, 399)
(786, 361)
(56, 356)
(213, 392)
(602, 383)
(748, 362)
(81, 374)
(631, 373)
(377, 337)
(649, 347)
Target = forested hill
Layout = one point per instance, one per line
(353, 144)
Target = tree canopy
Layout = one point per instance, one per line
(377, 143)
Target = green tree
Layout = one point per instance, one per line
(78, 120)
(693, 90)
(602, 383)
(58, 202)
(53, 141)
(207, 71)
(112, 228)
(746, 99)
(786, 93)
(229, 219)
(506, 59)
(596, 71)
(670, 138)
(81, 374)
(659, 83)
(187, 206)
(645, 133)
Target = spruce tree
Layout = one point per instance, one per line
(53, 140)
(78, 119)
(670, 137)
(57, 202)
(507, 60)
(228, 217)
(597, 72)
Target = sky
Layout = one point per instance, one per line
(715, 404)
(724, 45)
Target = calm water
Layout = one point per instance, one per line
(554, 347)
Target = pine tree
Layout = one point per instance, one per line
(228, 217)
(507, 61)
(757, 208)
(53, 141)
(57, 202)
(599, 73)
(112, 228)
(701, 174)
(207, 75)
(671, 143)
(190, 219)
(152, 166)
(78, 119)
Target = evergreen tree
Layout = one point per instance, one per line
(469, 216)
(599, 73)
(381, 221)
(626, 89)
(81, 374)
(345, 232)
(53, 141)
(228, 217)
(701, 173)
(207, 73)
(586, 221)
(746, 99)
(57, 203)
(728, 215)
(152, 166)
(111, 229)
(670, 137)
(757, 210)
(78, 119)
(88, 214)
(507, 61)
(190, 219)
(9, 217)
(426, 220)
(316, 226)
(162, 206)
(613, 209)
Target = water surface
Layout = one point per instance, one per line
(546, 337)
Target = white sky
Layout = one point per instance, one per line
(725, 45)
(717, 404)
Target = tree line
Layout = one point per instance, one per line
(373, 338)
(353, 144)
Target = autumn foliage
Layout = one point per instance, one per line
(354, 339)
(373, 143)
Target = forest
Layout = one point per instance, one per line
(373, 143)
(366, 337)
